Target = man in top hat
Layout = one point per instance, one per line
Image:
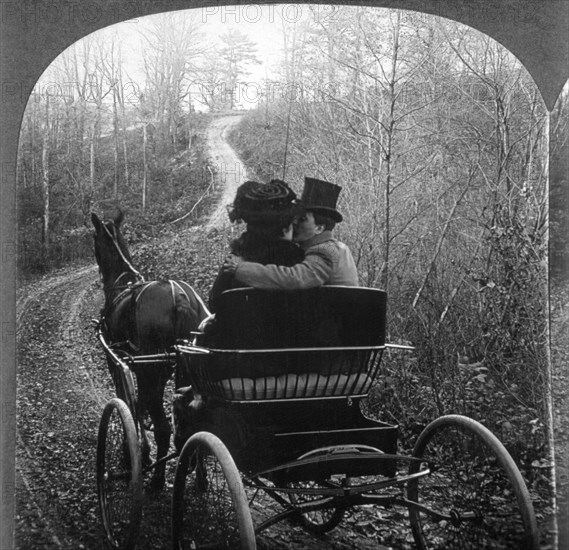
(327, 261)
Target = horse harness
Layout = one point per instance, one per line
(134, 292)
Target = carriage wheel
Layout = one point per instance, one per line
(209, 505)
(475, 485)
(119, 475)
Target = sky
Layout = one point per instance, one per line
(260, 22)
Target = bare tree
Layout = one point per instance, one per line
(46, 150)
(172, 45)
(236, 52)
(112, 65)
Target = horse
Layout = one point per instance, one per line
(143, 318)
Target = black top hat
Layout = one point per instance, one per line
(321, 196)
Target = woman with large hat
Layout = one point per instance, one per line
(269, 210)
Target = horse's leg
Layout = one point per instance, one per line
(141, 408)
(153, 391)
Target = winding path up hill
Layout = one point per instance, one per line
(230, 171)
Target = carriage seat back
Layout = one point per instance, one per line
(327, 316)
(303, 344)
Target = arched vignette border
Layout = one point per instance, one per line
(33, 33)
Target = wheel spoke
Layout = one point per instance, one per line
(119, 475)
(474, 485)
(209, 508)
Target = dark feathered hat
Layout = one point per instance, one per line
(257, 202)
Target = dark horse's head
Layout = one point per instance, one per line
(111, 252)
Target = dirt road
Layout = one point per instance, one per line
(62, 388)
(230, 171)
(559, 341)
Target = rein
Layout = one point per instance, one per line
(116, 287)
(123, 257)
(128, 284)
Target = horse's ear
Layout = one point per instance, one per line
(119, 219)
(96, 222)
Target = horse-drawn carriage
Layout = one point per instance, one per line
(281, 375)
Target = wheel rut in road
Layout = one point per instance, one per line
(62, 387)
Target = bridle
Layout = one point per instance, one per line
(133, 271)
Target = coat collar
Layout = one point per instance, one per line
(317, 239)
